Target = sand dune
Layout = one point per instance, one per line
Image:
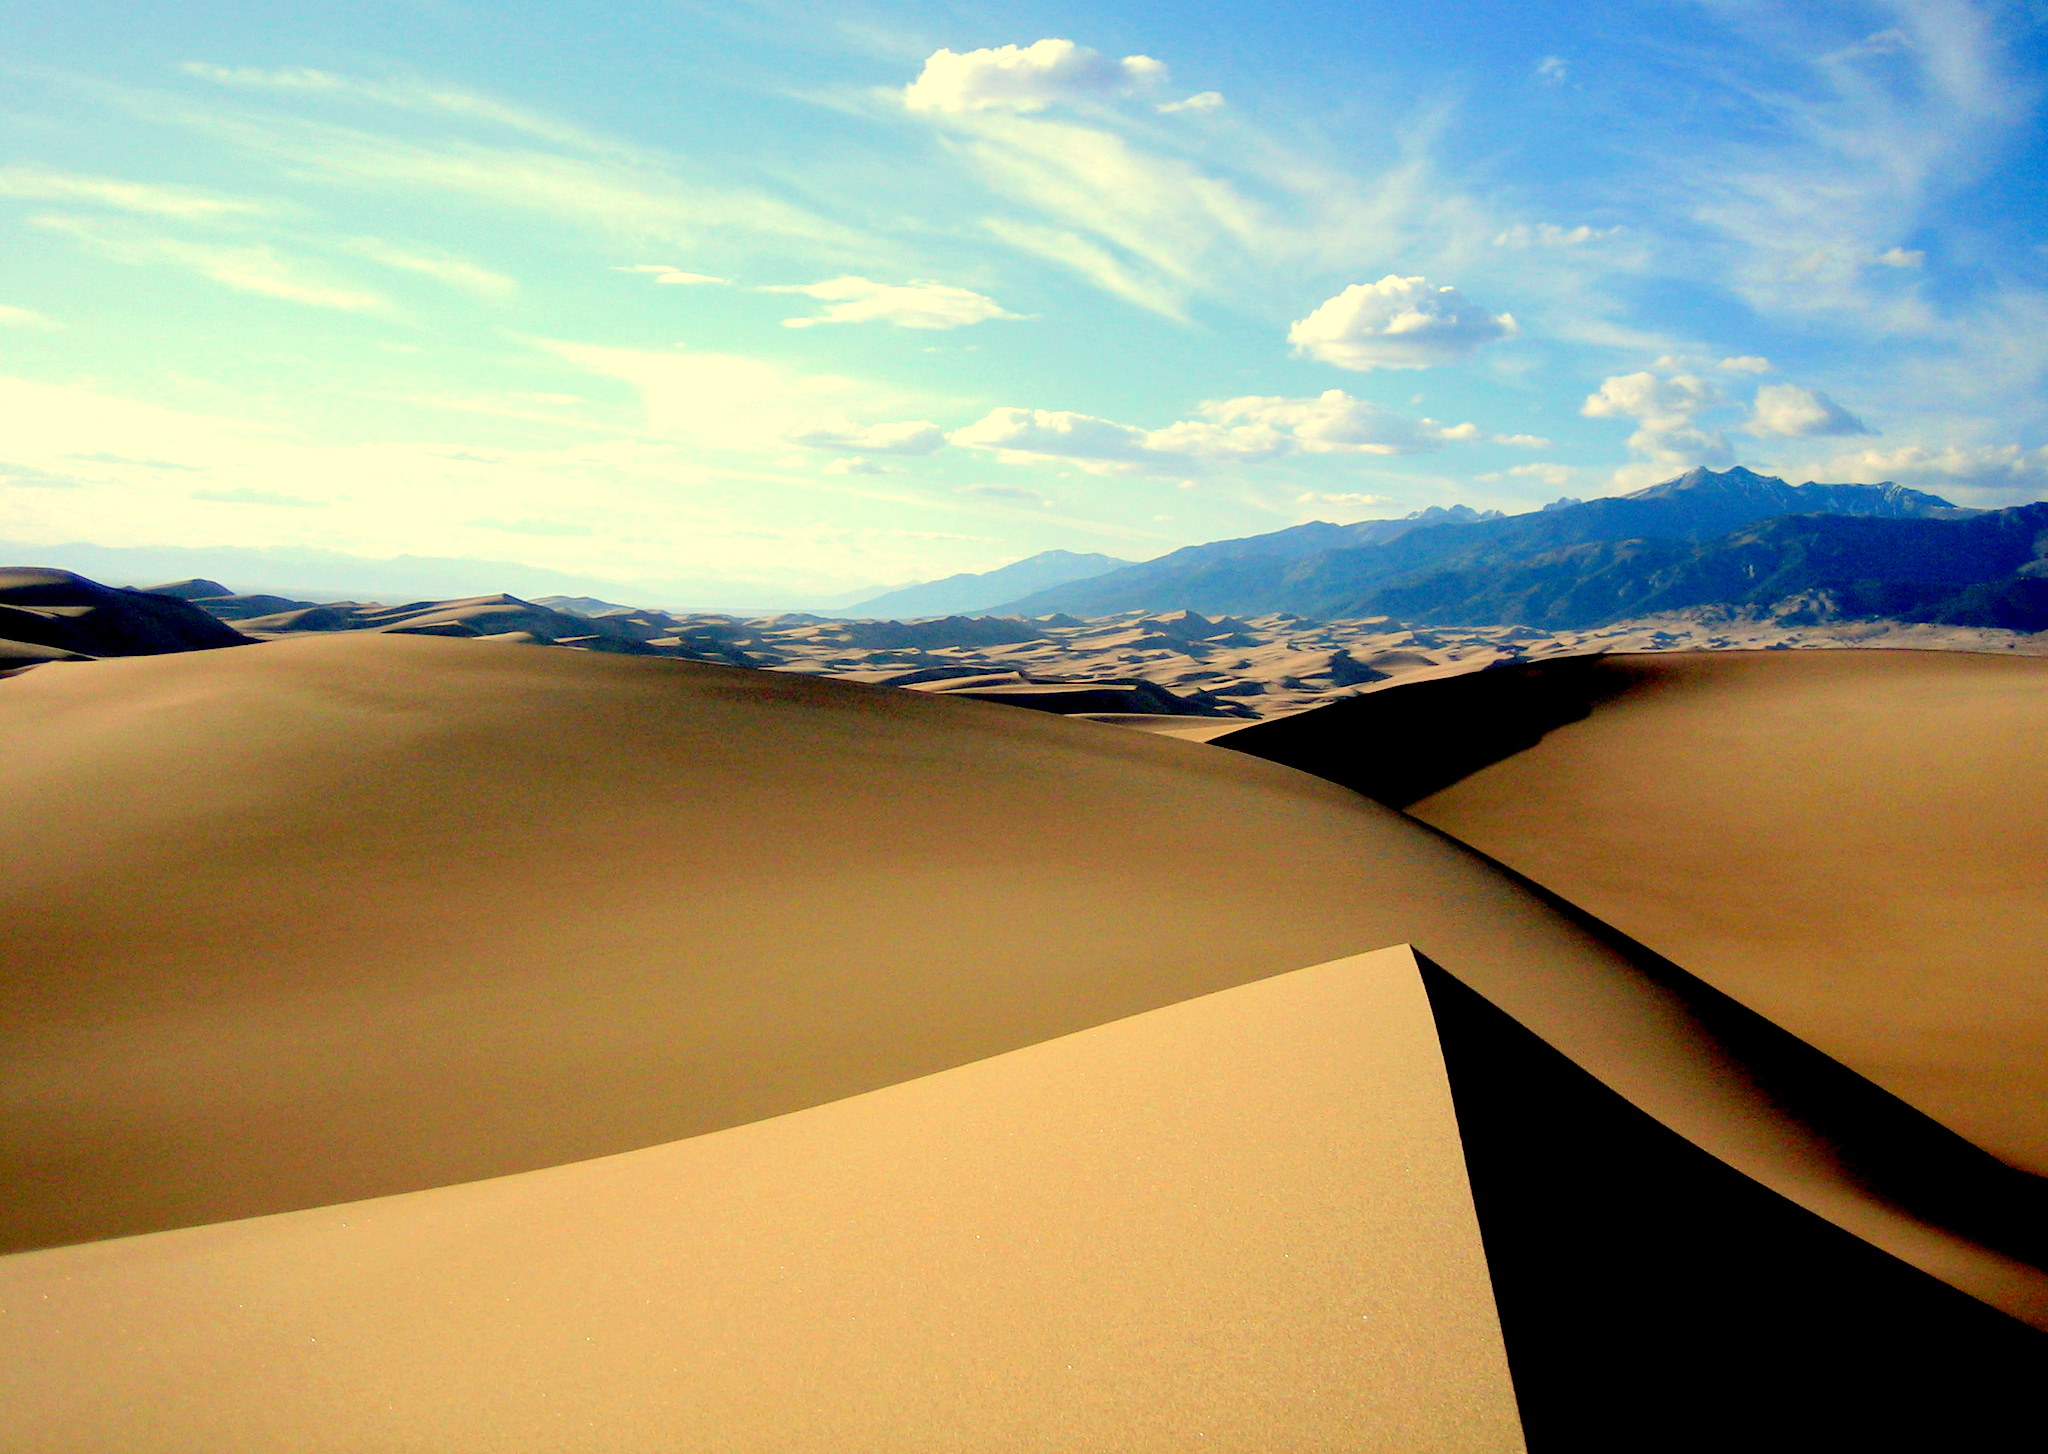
(1848, 842)
(468, 909)
(437, 921)
(1032, 1252)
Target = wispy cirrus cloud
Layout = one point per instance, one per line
(187, 204)
(247, 267)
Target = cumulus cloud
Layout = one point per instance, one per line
(907, 305)
(1397, 323)
(1746, 363)
(1792, 412)
(1664, 410)
(908, 436)
(663, 273)
(1200, 101)
(1523, 441)
(1027, 78)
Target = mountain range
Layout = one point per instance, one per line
(1699, 539)
(973, 593)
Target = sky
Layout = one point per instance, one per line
(773, 303)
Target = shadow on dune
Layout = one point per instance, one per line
(1403, 743)
(1652, 1297)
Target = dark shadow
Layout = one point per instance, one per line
(1403, 743)
(1654, 1298)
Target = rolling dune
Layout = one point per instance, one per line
(617, 977)
(1849, 842)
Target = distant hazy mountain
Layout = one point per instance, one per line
(972, 593)
(1332, 571)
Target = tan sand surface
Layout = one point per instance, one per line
(1853, 843)
(343, 916)
(1237, 1223)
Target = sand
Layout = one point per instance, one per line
(1850, 842)
(1236, 1223)
(746, 994)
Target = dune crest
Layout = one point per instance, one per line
(1236, 1223)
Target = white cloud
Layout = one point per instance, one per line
(2001, 472)
(1397, 323)
(1057, 433)
(907, 305)
(12, 317)
(1523, 441)
(737, 402)
(908, 436)
(1554, 476)
(676, 277)
(444, 267)
(1747, 363)
(1242, 431)
(1793, 412)
(1027, 78)
(1200, 101)
(408, 95)
(1664, 410)
(1093, 262)
(248, 267)
(1552, 70)
(1901, 257)
(1334, 422)
(1549, 234)
(182, 203)
(857, 467)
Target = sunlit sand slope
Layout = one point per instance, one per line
(1237, 1223)
(335, 918)
(1853, 843)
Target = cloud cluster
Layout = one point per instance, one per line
(1791, 412)
(1664, 408)
(907, 305)
(1027, 78)
(1242, 431)
(2000, 472)
(1397, 323)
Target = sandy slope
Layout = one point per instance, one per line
(1175, 1231)
(1853, 843)
(465, 909)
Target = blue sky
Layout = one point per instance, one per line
(767, 302)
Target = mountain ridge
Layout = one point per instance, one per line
(1322, 570)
